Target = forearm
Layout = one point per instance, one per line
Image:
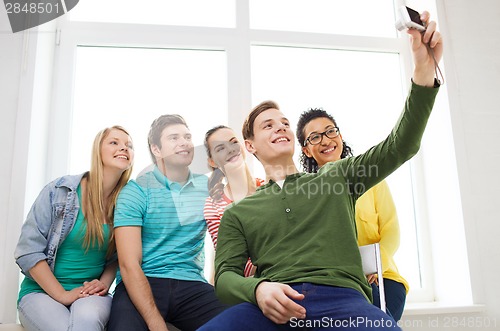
(140, 294)
(44, 277)
(423, 77)
(389, 239)
(109, 274)
(401, 144)
(232, 288)
(230, 258)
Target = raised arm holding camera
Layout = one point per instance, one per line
(299, 229)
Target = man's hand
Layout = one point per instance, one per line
(276, 302)
(423, 45)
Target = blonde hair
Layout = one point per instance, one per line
(93, 206)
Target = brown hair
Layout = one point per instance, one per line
(247, 130)
(215, 187)
(157, 127)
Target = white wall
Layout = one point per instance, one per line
(11, 50)
(26, 62)
(474, 45)
(472, 36)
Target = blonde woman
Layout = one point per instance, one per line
(66, 246)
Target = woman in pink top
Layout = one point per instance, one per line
(230, 181)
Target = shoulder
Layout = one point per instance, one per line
(133, 190)
(335, 167)
(198, 185)
(381, 188)
(209, 204)
(200, 179)
(60, 187)
(144, 179)
(69, 181)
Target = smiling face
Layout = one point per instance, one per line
(226, 152)
(176, 147)
(329, 149)
(117, 151)
(272, 136)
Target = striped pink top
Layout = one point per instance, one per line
(213, 212)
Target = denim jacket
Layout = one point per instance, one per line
(48, 223)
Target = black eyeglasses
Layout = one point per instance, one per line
(316, 138)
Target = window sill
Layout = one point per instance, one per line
(435, 308)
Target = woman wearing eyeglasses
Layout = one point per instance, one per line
(376, 218)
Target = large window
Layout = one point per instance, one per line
(214, 13)
(356, 18)
(127, 65)
(133, 86)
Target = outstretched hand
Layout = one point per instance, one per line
(276, 302)
(427, 50)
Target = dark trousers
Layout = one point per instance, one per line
(395, 297)
(327, 308)
(185, 304)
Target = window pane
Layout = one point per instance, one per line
(131, 87)
(212, 13)
(362, 90)
(361, 17)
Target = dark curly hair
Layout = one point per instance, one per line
(309, 164)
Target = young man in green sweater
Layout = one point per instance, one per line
(299, 229)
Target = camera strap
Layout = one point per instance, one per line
(437, 70)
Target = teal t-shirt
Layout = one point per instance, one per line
(172, 224)
(74, 265)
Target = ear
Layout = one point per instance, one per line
(306, 151)
(212, 163)
(250, 147)
(155, 150)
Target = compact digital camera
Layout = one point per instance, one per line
(409, 19)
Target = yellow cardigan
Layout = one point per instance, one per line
(377, 222)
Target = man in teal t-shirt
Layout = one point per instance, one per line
(160, 232)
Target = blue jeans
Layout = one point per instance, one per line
(395, 297)
(39, 312)
(185, 304)
(327, 308)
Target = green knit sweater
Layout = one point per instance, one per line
(305, 231)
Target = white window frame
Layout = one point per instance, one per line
(236, 42)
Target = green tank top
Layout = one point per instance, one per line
(74, 265)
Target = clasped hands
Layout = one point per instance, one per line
(94, 287)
